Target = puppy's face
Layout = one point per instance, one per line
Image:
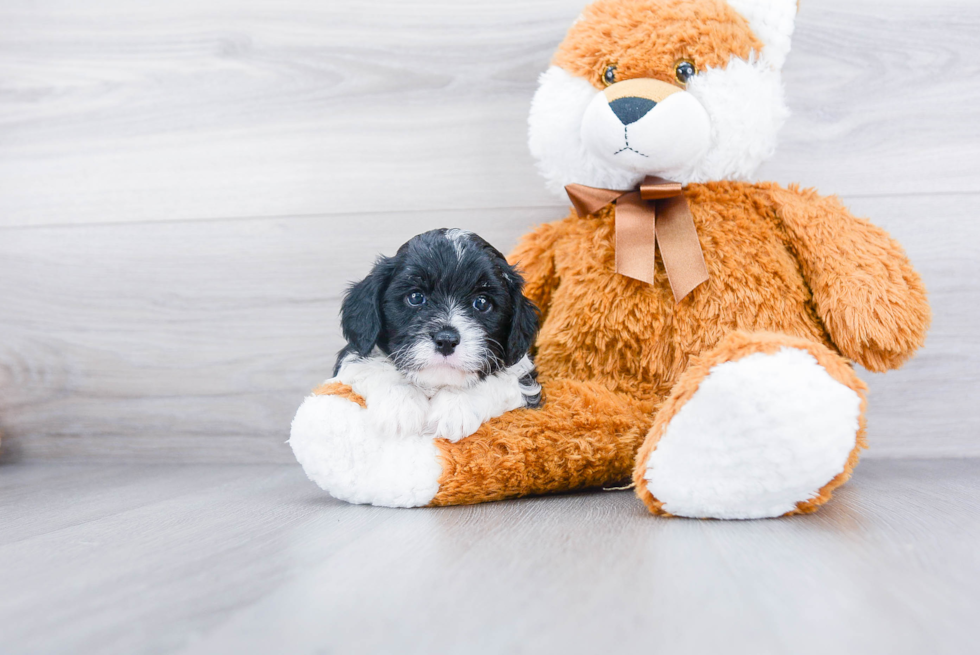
(447, 309)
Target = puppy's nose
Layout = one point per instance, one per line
(446, 340)
(629, 110)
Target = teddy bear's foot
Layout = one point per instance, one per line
(764, 425)
(352, 459)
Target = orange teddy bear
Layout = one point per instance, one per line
(698, 329)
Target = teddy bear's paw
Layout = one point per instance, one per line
(394, 405)
(761, 436)
(344, 452)
(452, 416)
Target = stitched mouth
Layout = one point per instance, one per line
(626, 137)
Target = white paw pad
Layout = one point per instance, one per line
(759, 435)
(349, 457)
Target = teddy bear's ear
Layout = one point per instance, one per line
(772, 21)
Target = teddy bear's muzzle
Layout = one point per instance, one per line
(631, 100)
(646, 126)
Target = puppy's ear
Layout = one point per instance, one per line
(524, 324)
(360, 314)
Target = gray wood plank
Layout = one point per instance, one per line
(929, 407)
(196, 341)
(880, 94)
(130, 549)
(115, 112)
(187, 341)
(253, 559)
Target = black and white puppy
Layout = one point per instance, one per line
(438, 337)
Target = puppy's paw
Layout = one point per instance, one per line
(398, 410)
(452, 416)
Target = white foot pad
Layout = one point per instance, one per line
(760, 435)
(349, 457)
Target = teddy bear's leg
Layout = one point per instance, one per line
(583, 436)
(763, 425)
(352, 459)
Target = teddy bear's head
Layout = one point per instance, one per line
(688, 90)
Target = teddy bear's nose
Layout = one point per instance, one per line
(630, 110)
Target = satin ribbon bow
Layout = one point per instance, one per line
(655, 214)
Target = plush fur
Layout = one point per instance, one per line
(369, 435)
(755, 433)
(747, 383)
(438, 340)
(733, 108)
(347, 455)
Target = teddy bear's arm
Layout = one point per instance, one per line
(870, 299)
(534, 256)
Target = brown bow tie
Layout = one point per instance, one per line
(655, 214)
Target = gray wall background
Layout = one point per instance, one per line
(186, 188)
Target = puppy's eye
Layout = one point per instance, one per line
(415, 299)
(684, 70)
(482, 304)
(609, 75)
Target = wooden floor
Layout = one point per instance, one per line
(254, 559)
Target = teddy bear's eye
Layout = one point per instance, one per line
(609, 75)
(684, 70)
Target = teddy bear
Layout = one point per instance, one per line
(699, 329)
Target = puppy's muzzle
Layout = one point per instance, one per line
(633, 99)
(446, 340)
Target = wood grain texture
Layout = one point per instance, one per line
(115, 112)
(929, 406)
(254, 559)
(196, 341)
(186, 341)
(186, 188)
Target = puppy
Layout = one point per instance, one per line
(438, 337)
